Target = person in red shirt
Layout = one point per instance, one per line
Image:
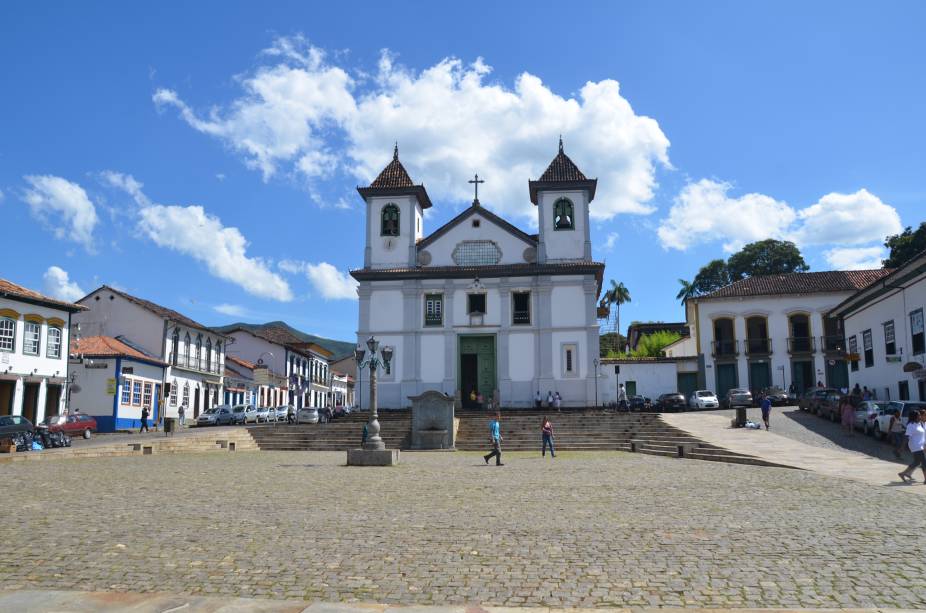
(547, 431)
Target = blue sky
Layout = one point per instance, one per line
(205, 155)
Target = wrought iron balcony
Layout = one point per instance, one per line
(725, 349)
(758, 346)
(834, 344)
(801, 344)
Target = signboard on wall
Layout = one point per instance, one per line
(111, 386)
(261, 375)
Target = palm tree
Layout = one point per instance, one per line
(687, 291)
(618, 295)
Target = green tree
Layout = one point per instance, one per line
(711, 277)
(652, 345)
(609, 344)
(768, 257)
(686, 291)
(617, 295)
(905, 245)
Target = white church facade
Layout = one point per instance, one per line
(480, 306)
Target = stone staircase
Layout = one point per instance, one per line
(338, 435)
(195, 440)
(591, 430)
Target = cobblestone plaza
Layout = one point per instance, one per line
(585, 529)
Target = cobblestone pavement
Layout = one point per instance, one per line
(809, 429)
(590, 529)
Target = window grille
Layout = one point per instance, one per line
(521, 313)
(54, 343)
(476, 253)
(33, 334)
(433, 309)
(7, 334)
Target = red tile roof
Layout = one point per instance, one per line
(108, 347)
(800, 283)
(393, 175)
(240, 362)
(8, 289)
(562, 168)
(157, 309)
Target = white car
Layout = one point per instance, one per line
(703, 399)
(307, 415)
(902, 408)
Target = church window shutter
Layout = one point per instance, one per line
(521, 311)
(434, 309)
(563, 215)
(390, 221)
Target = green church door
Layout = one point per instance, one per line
(477, 368)
(726, 378)
(760, 376)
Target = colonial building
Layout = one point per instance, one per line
(342, 390)
(113, 380)
(194, 353)
(34, 336)
(303, 366)
(885, 337)
(774, 330)
(478, 305)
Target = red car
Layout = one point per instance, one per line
(72, 425)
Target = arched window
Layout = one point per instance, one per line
(390, 225)
(209, 354)
(54, 342)
(186, 394)
(175, 341)
(563, 215)
(7, 334)
(218, 356)
(187, 343)
(198, 360)
(173, 393)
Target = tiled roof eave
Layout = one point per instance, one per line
(773, 294)
(464, 272)
(415, 190)
(590, 185)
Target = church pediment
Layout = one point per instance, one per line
(477, 237)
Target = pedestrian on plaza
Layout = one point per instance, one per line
(847, 415)
(181, 413)
(363, 436)
(819, 383)
(549, 399)
(896, 430)
(558, 402)
(472, 396)
(866, 394)
(495, 436)
(622, 398)
(538, 401)
(480, 400)
(766, 405)
(916, 441)
(144, 420)
(546, 429)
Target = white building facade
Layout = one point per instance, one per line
(34, 337)
(195, 354)
(480, 307)
(774, 331)
(885, 336)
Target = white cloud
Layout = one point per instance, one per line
(193, 232)
(329, 282)
(855, 258)
(609, 241)
(1, 195)
(128, 184)
(450, 121)
(705, 212)
(57, 284)
(64, 206)
(232, 310)
(847, 219)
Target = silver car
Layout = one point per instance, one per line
(737, 397)
(245, 414)
(307, 415)
(208, 417)
(281, 412)
(265, 414)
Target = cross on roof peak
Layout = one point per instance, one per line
(395, 151)
(560, 143)
(476, 181)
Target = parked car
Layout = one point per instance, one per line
(903, 409)
(307, 415)
(866, 415)
(11, 425)
(828, 406)
(778, 396)
(281, 412)
(265, 414)
(673, 401)
(72, 425)
(339, 412)
(703, 399)
(244, 414)
(811, 397)
(207, 417)
(224, 415)
(639, 403)
(737, 397)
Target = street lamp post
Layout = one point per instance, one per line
(596, 362)
(358, 356)
(373, 442)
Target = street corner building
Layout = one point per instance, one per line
(479, 306)
(34, 336)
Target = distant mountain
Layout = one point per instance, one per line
(338, 348)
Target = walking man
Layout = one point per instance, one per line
(622, 398)
(144, 420)
(547, 430)
(181, 413)
(916, 442)
(537, 400)
(766, 405)
(495, 435)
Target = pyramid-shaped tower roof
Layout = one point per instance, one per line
(562, 173)
(394, 180)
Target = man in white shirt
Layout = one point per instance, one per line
(916, 441)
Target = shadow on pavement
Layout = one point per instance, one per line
(858, 442)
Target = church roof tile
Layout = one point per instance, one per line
(394, 180)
